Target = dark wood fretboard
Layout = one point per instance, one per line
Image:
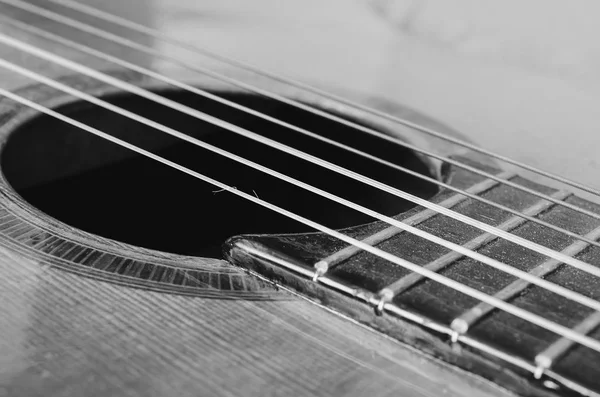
(517, 354)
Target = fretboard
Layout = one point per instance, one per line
(444, 321)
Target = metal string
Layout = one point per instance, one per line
(195, 90)
(297, 153)
(574, 296)
(120, 40)
(521, 313)
(89, 10)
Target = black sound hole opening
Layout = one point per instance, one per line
(97, 186)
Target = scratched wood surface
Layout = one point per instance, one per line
(67, 335)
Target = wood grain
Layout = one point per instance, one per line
(65, 334)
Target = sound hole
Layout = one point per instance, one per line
(97, 186)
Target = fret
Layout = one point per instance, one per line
(389, 232)
(354, 288)
(557, 349)
(382, 306)
(440, 263)
(463, 322)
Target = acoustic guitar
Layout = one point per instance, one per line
(287, 198)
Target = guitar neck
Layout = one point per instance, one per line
(436, 318)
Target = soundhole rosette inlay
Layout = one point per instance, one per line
(79, 186)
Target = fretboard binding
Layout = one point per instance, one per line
(389, 232)
(442, 262)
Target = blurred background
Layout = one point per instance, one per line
(547, 36)
(520, 77)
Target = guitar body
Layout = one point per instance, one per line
(87, 314)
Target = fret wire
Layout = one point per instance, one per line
(591, 322)
(408, 281)
(558, 348)
(466, 320)
(389, 232)
(122, 41)
(393, 309)
(491, 262)
(528, 316)
(425, 322)
(370, 298)
(216, 98)
(89, 10)
(294, 152)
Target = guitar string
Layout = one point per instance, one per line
(514, 310)
(108, 36)
(294, 152)
(564, 292)
(115, 19)
(128, 65)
